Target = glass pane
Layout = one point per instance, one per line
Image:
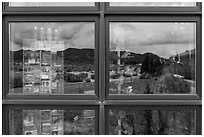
(51, 122)
(171, 4)
(152, 122)
(49, 4)
(152, 58)
(52, 58)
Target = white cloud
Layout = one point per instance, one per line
(73, 34)
(153, 37)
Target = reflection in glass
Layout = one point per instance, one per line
(49, 4)
(152, 58)
(52, 58)
(171, 4)
(51, 122)
(152, 122)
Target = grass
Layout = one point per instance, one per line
(69, 88)
(78, 88)
(164, 84)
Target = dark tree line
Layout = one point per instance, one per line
(151, 65)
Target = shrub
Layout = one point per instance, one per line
(127, 75)
(69, 77)
(87, 79)
(115, 76)
(92, 76)
(17, 81)
(145, 76)
(135, 74)
(176, 85)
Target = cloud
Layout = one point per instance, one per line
(74, 34)
(14, 46)
(67, 31)
(85, 37)
(138, 36)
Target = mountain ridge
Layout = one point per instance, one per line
(86, 56)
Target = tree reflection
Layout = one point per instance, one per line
(151, 122)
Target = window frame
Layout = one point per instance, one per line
(157, 18)
(102, 101)
(70, 18)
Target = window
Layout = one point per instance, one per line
(141, 49)
(102, 68)
(53, 120)
(50, 52)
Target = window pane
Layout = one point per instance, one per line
(51, 122)
(52, 58)
(152, 122)
(152, 58)
(49, 4)
(173, 4)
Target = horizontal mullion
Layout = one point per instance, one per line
(51, 102)
(52, 97)
(150, 13)
(50, 13)
(50, 18)
(154, 97)
(152, 102)
(153, 17)
(107, 102)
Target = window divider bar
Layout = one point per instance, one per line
(5, 121)
(152, 13)
(51, 102)
(199, 121)
(102, 70)
(50, 13)
(153, 102)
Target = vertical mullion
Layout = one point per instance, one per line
(5, 120)
(101, 71)
(199, 120)
(102, 122)
(199, 57)
(5, 57)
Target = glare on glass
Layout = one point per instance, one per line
(49, 4)
(51, 122)
(152, 122)
(160, 4)
(52, 58)
(152, 58)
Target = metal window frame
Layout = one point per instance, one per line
(102, 101)
(157, 18)
(8, 8)
(17, 19)
(173, 9)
